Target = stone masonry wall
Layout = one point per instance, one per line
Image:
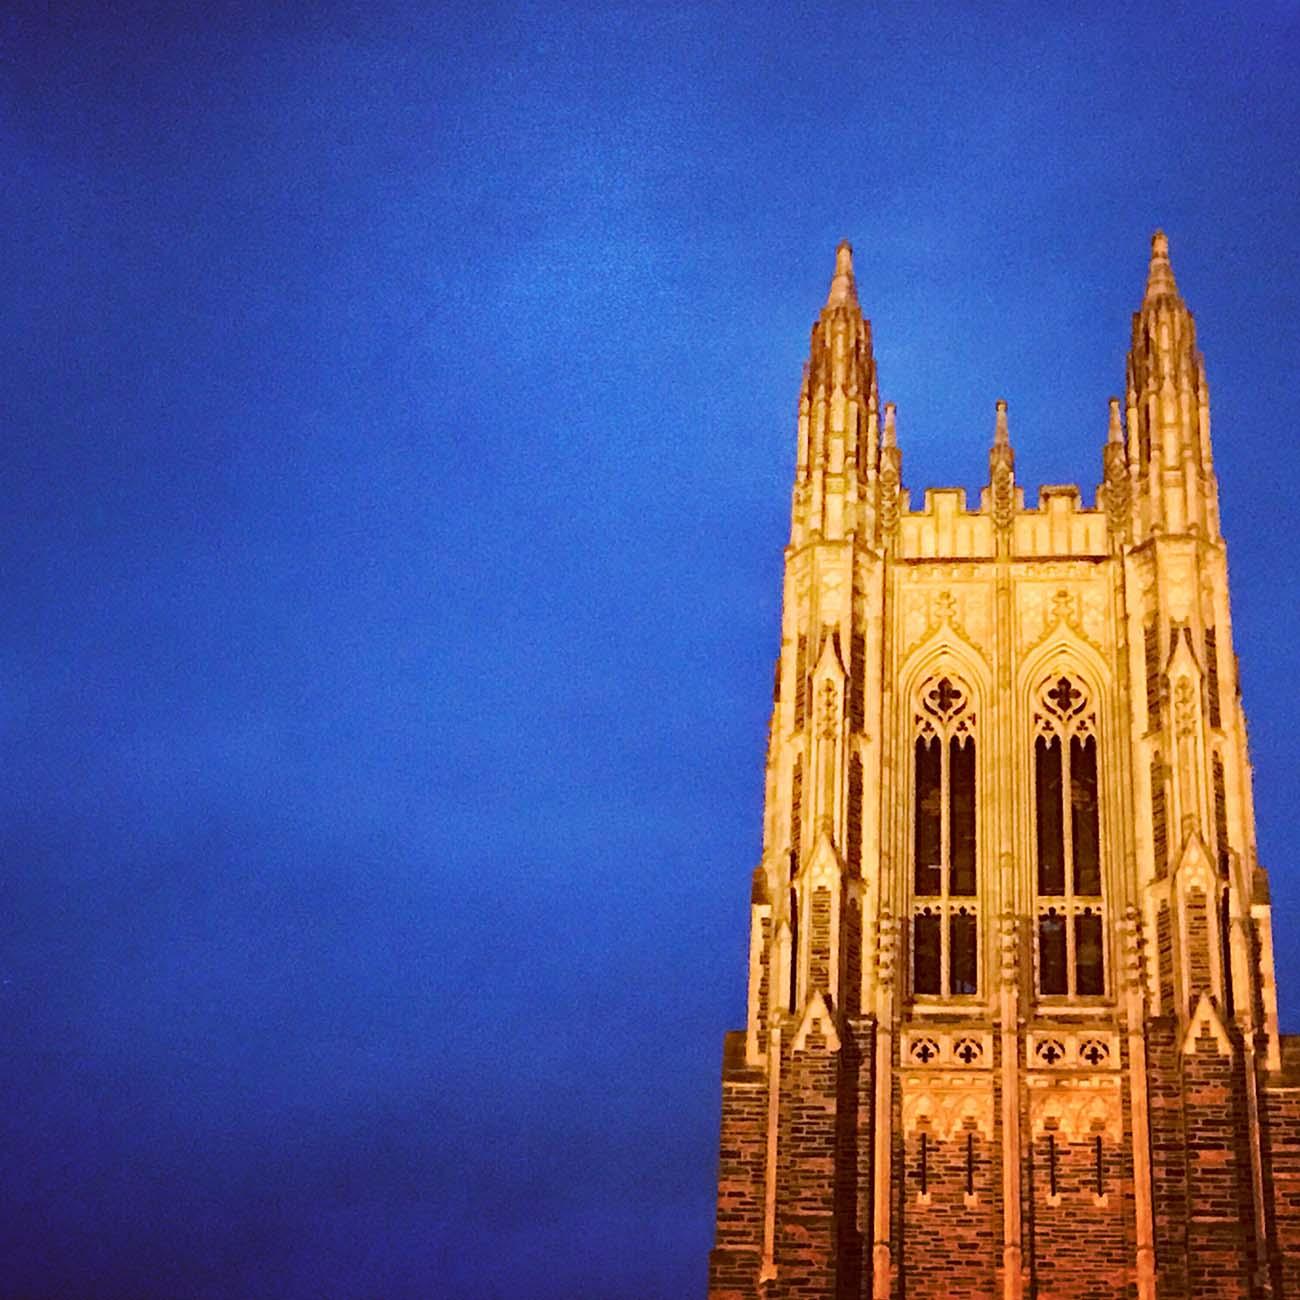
(734, 1261)
(1282, 1130)
(806, 1178)
(1081, 1244)
(952, 1238)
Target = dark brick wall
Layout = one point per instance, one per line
(734, 1262)
(1198, 942)
(953, 1247)
(1080, 1247)
(1077, 1245)
(806, 1178)
(1165, 957)
(1218, 1174)
(1282, 1134)
(1168, 1155)
(819, 947)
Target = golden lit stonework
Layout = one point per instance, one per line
(1012, 1025)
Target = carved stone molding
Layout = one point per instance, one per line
(1117, 491)
(957, 1049)
(889, 481)
(1184, 707)
(887, 950)
(828, 711)
(1133, 945)
(1080, 607)
(1008, 941)
(1076, 1109)
(964, 609)
(1003, 488)
(1085, 1049)
(943, 1105)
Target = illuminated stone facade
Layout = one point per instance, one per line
(1012, 1024)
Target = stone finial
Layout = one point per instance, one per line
(1114, 432)
(891, 434)
(1002, 478)
(1160, 276)
(844, 290)
(1115, 491)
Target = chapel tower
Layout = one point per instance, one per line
(1012, 1016)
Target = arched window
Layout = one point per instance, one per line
(1068, 841)
(944, 931)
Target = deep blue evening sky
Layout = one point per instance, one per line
(397, 438)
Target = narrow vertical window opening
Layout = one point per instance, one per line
(927, 974)
(945, 958)
(929, 807)
(925, 1170)
(800, 683)
(1212, 676)
(1083, 817)
(1067, 817)
(970, 1164)
(1221, 818)
(1225, 951)
(1051, 845)
(961, 810)
(1051, 954)
(796, 814)
(1151, 645)
(794, 949)
(857, 681)
(854, 837)
(1159, 820)
(961, 945)
(1099, 1185)
(1051, 1163)
(1087, 953)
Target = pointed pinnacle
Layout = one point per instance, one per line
(890, 439)
(843, 288)
(1114, 433)
(1160, 276)
(1001, 438)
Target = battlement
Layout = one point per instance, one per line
(945, 528)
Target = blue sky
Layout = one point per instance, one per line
(398, 433)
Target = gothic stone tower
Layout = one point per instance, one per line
(1012, 1024)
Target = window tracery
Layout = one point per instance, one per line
(1067, 822)
(945, 952)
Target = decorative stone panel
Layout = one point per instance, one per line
(1085, 1049)
(1076, 1108)
(961, 1049)
(940, 1103)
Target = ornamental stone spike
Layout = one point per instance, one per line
(843, 289)
(1160, 274)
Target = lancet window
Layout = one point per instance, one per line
(1212, 677)
(944, 930)
(1067, 819)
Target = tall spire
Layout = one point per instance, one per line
(1168, 409)
(839, 419)
(1160, 275)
